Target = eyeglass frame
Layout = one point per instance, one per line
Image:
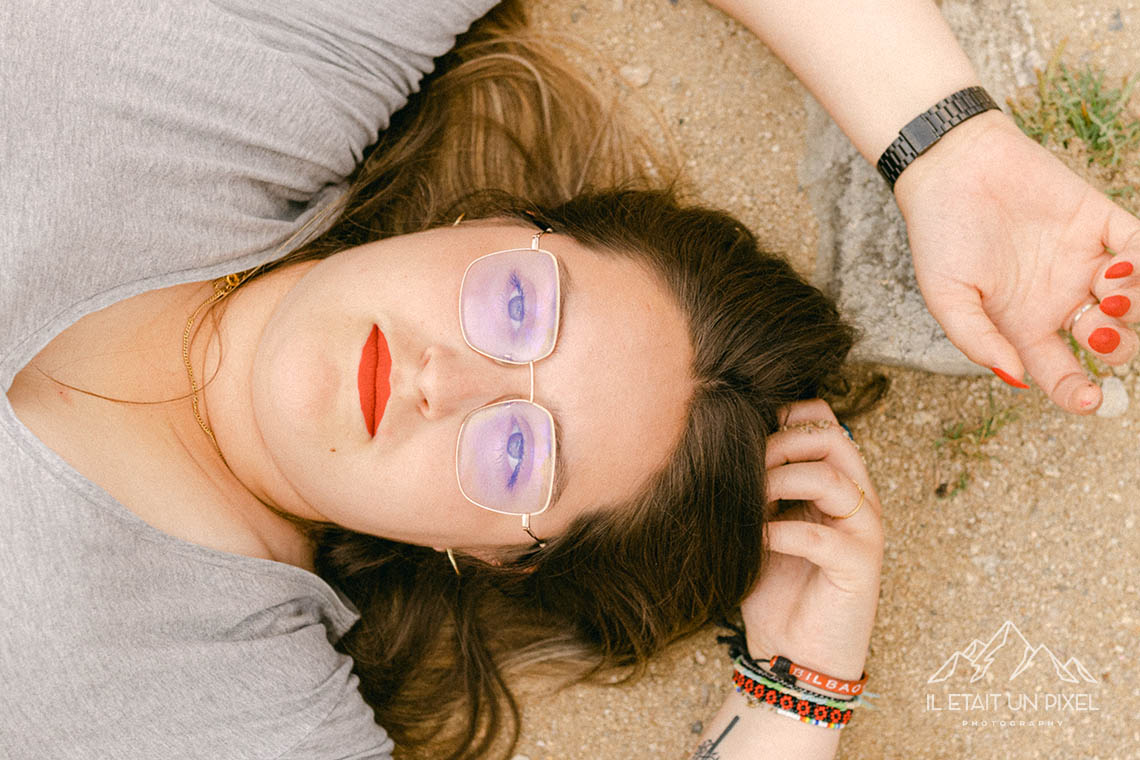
(534, 242)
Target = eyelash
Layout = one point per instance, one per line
(516, 292)
(507, 452)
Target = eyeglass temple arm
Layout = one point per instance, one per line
(534, 247)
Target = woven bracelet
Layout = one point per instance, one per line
(790, 705)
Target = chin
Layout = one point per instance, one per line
(295, 388)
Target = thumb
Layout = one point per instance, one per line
(969, 328)
(1058, 373)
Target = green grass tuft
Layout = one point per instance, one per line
(962, 444)
(1080, 105)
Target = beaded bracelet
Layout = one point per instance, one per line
(804, 710)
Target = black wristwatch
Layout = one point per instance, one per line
(927, 128)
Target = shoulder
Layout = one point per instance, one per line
(351, 729)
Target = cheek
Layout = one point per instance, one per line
(292, 383)
(403, 488)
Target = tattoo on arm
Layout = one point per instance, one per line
(707, 750)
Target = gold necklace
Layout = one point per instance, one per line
(223, 286)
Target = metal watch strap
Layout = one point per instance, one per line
(927, 128)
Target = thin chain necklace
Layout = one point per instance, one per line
(223, 286)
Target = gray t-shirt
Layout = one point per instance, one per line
(145, 145)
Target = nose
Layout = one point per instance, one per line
(457, 381)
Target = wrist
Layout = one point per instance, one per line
(958, 148)
(929, 127)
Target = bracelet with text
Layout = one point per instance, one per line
(806, 711)
(789, 672)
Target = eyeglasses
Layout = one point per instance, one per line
(509, 303)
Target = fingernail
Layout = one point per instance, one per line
(1116, 306)
(1118, 270)
(1008, 379)
(1104, 340)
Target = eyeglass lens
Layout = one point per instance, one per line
(508, 305)
(505, 457)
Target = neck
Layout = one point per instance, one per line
(223, 356)
(131, 352)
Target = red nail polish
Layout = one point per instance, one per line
(1116, 306)
(1118, 270)
(1104, 340)
(1008, 379)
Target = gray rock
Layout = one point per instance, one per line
(863, 259)
(1115, 402)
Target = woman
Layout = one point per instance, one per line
(597, 494)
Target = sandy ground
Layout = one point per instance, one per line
(1044, 535)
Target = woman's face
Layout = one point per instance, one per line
(618, 383)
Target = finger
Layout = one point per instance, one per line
(833, 492)
(1121, 237)
(1056, 371)
(811, 410)
(809, 443)
(1117, 281)
(1109, 339)
(969, 328)
(1122, 304)
(841, 557)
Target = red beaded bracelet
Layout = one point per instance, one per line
(806, 710)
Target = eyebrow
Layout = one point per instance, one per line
(560, 477)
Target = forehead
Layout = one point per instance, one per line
(619, 377)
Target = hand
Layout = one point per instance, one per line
(816, 598)
(1008, 245)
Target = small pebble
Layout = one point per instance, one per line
(1115, 401)
(699, 656)
(636, 76)
(520, 757)
(697, 727)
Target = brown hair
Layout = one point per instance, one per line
(507, 128)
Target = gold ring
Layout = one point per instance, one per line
(862, 498)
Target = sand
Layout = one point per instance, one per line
(1044, 536)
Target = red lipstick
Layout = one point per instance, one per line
(372, 379)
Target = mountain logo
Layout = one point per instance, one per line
(1008, 645)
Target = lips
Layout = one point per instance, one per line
(372, 379)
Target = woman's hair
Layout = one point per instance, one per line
(507, 128)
